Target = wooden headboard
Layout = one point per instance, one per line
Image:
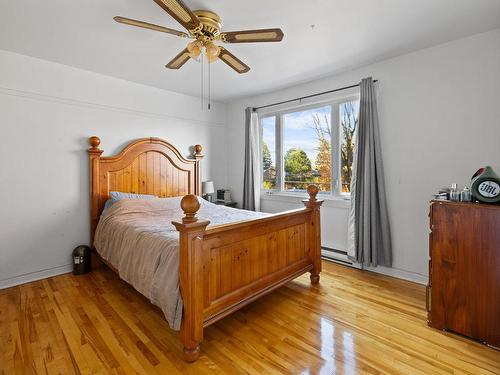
(145, 166)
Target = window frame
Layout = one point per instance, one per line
(276, 148)
(335, 141)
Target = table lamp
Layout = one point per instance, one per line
(207, 188)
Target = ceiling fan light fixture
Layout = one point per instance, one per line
(212, 58)
(195, 48)
(212, 51)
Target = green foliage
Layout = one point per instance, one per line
(267, 162)
(297, 162)
(269, 185)
(269, 177)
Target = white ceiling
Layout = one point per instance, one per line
(346, 34)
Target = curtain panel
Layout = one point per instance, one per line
(252, 170)
(369, 239)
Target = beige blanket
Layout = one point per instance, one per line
(137, 238)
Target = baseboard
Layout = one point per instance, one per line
(340, 257)
(33, 276)
(400, 274)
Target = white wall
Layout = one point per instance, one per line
(439, 112)
(47, 112)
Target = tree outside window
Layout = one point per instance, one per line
(268, 125)
(349, 118)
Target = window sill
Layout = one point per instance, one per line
(330, 201)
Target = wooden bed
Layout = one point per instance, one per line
(222, 267)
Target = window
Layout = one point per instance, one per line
(313, 144)
(269, 152)
(307, 149)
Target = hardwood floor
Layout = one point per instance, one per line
(354, 322)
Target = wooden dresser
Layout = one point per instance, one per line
(463, 294)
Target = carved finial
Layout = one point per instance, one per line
(190, 205)
(312, 190)
(312, 202)
(94, 142)
(197, 152)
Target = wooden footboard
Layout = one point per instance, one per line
(225, 267)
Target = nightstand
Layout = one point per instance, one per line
(228, 204)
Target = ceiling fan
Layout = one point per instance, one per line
(204, 27)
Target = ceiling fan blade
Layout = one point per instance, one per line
(180, 12)
(150, 26)
(179, 60)
(233, 61)
(250, 36)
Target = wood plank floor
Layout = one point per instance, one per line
(352, 323)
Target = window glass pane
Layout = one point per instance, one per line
(268, 152)
(307, 149)
(349, 114)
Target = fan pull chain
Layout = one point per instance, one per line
(201, 64)
(209, 86)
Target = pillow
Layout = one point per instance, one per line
(107, 205)
(116, 196)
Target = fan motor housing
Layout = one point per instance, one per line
(211, 23)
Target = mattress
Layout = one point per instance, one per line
(137, 238)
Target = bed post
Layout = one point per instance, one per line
(94, 155)
(197, 156)
(314, 231)
(191, 231)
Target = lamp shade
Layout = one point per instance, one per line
(207, 187)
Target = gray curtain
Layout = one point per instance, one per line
(372, 235)
(248, 201)
(251, 180)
